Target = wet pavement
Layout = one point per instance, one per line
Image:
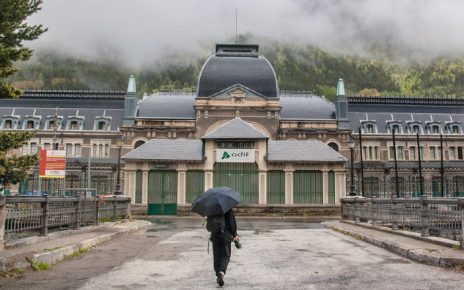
(276, 254)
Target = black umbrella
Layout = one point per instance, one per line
(216, 200)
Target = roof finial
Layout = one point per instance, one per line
(340, 88)
(131, 88)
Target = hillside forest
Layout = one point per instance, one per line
(298, 68)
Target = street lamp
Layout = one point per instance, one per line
(118, 191)
(351, 143)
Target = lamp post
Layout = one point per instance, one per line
(118, 176)
(351, 143)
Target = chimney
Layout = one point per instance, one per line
(130, 102)
(342, 106)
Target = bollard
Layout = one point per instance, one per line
(97, 210)
(2, 220)
(45, 211)
(425, 224)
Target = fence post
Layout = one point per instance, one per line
(2, 220)
(425, 230)
(45, 210)
(461, 211)
(394, 214)
(77, 218)
(114, 207)
(97, 210)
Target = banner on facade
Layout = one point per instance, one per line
(235, 155)
(52, 163)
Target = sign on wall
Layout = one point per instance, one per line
(235, 155)
(52, 163)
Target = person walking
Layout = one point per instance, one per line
(223, 232)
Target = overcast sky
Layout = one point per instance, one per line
(141, 31)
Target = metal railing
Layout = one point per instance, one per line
(441, 217)
(27, 216)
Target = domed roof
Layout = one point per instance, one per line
(306, 107)
(237, 64)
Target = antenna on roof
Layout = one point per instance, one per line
(236, 30)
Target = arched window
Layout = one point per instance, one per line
(333, 145)
(139, 143)
(8, 124)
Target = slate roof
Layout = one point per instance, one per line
(167, 106)
(404, 110)
(236, 129)
(304, 150)
(298, 106)
(168, 149)
(239, 65)
(88, 105)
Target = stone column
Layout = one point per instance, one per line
(144, 186)
(288, 186)
(208, 179)
(325, 186)
(181, 182)
(262, 187)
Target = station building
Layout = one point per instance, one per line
(237, 130)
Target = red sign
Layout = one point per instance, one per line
(52, 163)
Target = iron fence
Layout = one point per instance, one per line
(441, 217)
(27, 216)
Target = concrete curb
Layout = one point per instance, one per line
(416, 255)
(58, 255)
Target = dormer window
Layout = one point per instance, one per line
(102, 123)
(51, 125)
(30, 124)
(75, 123)
(8, 124)
(415, 129)
(369, 127)
(454, 128)
(394, 126)
(53, 122)
(435, 129)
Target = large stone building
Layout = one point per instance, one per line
(281, 150)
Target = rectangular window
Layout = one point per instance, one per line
(460, 153)
(376, 153)
(364, 153)
(396, 129)
(433, 153)
(370, 152)
(94, 150)
(435, 129)
(455, 129)
(452, 153)
(412, 153)
(415, 129)
(421, 152)
(77, 150)
(370, 128)
(400, 152)
(33, 148)
(235, 144)
(69, 150)
(392, 153)
(47, 146)
(107, 150)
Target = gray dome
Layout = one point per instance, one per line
(237, 64)
(167, 106)
(306, 107)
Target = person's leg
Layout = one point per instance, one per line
(216, 256)
(225, 256)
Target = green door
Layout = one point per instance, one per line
(138, 186)
(243, 177)
(307, 187)
(275, 187)
(162, 192)
(195, 184)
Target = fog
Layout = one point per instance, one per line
(138, 32)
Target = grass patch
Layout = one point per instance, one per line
(38, 266)
(12, 273)
(457, 247)
(109, 219)
(77, 253)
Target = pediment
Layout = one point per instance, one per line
(237, 92)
